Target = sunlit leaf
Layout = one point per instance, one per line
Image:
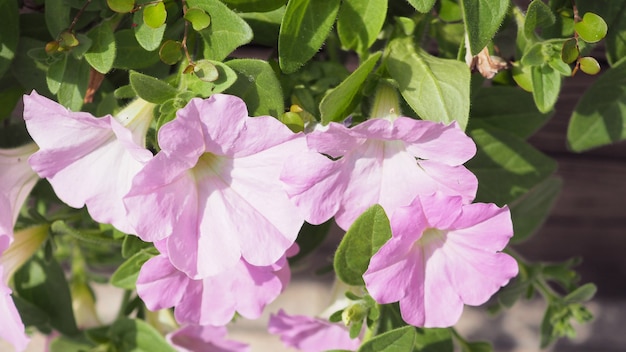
(437, 89)
(591, 28)
(304, 29)
(154, 15)
(482, 19)
(121, 6)
(589, 65)
(199, 18)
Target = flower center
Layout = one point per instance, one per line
(431, 236)
(208, 165)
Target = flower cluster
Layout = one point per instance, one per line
(224, 198)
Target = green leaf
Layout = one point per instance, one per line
(265, 25)
(134, 335)
(434, 340)
(522, 76)
(56, 71)
(74, 84)
(531, 210)
(398, 340)
(506, 166)
(422, 6)
(255, 5)
(9, 98)
(226, 77)
(366, 235)
(198, 18)
(437, 89)
(616, 37)
(31, 315)
(36, 280)
(9, 16)
(154, 15)
(561, 67)
(305, 26)
(57, 16)
(570, 51)
(132, 245)
(537, 55)
(359, 23)
(97, 238)
(151, 89)
(226, 32)
(130, 55)
(589, 65)
(546, 87)
(66, 344)
(101, 54)
(339, 102)
(479, 346)
(29, 73)
(591, 28)
(600, 116)
(582, 294)
(482, 19)
(206, 71)
(258, 86)
(171, 52)
(126, 274)
(538, 15)
(506, 108)
(148, 37)
(121, 6)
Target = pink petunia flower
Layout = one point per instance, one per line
(311, 334)
(213, 190)
(87, 160)
(11, 326)
(195, 338)
(245, 289)
(379, 161)
(442, 254)
(17, 179)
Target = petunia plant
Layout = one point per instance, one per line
(191, 152)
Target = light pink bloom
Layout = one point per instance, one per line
(213, 190)
(17, 179)
(87, 160)
(442, 254)
(245, 289)
(11, 326)
(311, 334)
(378, 162)
(195, 338)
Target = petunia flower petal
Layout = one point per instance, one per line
(378, 162)
(159, 284)
(311, 334)
(87, 160)
(17, 179)
(442, 254)
(217, 198)
(11, 326)
(195, 338)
